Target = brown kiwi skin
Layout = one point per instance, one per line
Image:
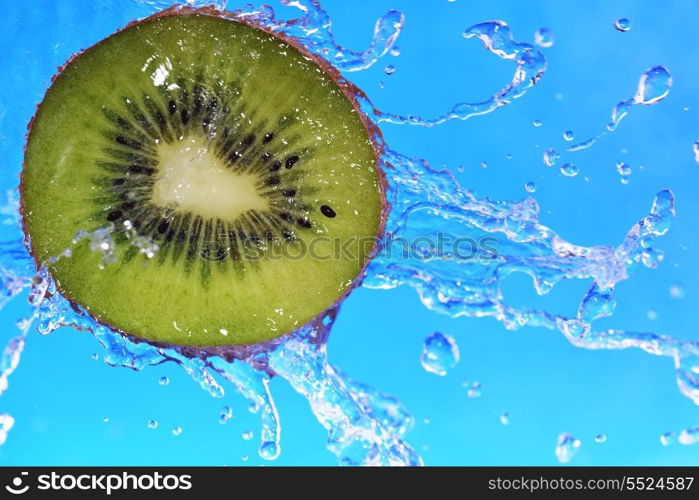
(351, 93)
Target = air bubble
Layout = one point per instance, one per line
(439, 353)
(600, 438)
(567, 447)
(568, 135)
(395, 51)
(152, 424)
(177, 431)
(695, 148)
(537, 123)
(505, 418)
(163, 381)
(622, 24)
(530, 187)
(247, 435)
(389, 69)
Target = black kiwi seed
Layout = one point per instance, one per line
(115, 215)
(267, 138)
(327, 211)
(291, 161)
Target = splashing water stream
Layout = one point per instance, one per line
(365, 426)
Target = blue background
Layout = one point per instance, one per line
(59, 396)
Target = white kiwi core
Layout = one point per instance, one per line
(192, 178)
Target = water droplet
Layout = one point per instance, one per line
(623, 169)
(550, 157)
(508, 156)
(695, 148)
(622, 24)
(568, 135)
(269, 450)
(677, 291)
(600, 438)
(439, 353)
(244, 458)
(653, 86)
(566, 447)
(652, 257)
(395, 51)
(225, 415)
(247, 435)
(254, 407)
(537, 123)
(152, 424)
(569, 170)
(177, 431)
(484, 164)
(105, 420)
(95, 356)
(474, 389)
(505, 418)
(389, 69)
(543, 37)
(667, 438)
(689, 436)
(530, 187)
(163, 381)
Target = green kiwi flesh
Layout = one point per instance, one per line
(240, 156)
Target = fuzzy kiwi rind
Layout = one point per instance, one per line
(245, 338)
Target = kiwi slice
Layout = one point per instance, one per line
(241, 156)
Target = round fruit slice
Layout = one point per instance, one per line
(238, 156)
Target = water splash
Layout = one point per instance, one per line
(653, 86)
(497, 39)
